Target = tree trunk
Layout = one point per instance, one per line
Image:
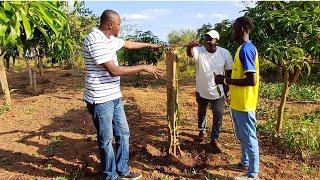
(172, 102)
(34, 80)
(30, 73)
(279, 74)
(7, 62)
(72, 68)
(4, 82)
(284, 95)
(40, 65)
(13, 61)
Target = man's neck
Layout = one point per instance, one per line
(244, 39)
(107, 33)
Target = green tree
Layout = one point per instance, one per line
(286, 34)
(82, 21)
(146, 55)
(18, 23)
(225, 31)
(181, 37)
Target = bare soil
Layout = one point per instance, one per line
(49, 134)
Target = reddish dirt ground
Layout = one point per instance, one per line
(49, 134)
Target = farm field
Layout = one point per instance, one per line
(50, 134)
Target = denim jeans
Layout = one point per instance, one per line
(110, 120)
(245, 129)
(217, 112)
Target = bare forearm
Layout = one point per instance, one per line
(136, 45)
(249, 81)
(126, 71)
(239, 82)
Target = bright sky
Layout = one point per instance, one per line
(162, 17)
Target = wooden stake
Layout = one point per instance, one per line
(171, 65)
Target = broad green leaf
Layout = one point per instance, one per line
(3, 29)
(13, 35)
(6, 6)
(3, 16)
(26, 25)
(308, 67)
(55, 9)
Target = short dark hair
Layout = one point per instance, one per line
(107, 15)
(245, 22)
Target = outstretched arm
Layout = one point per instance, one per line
(139, 45)
(115, 70)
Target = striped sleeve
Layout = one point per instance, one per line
(99, 52)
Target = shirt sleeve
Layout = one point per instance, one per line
(228, 61)
(247, 58)
(102, 52)
(119, 43)
(195, 52)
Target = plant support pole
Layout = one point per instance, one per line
(172, 104)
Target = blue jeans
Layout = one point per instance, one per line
(245, 129)
(110, 120)
(217, 112)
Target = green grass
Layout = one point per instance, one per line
(54, 144)
(296, 92)
(29, 110)
(60, 178)
(4, 108)
(299, 134)
(308, 170)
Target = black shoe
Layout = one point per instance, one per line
(131, 176)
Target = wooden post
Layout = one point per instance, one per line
(172, 102)
(4, 82)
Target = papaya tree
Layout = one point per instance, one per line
(18, 22)
(286, 34)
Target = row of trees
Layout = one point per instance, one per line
(60, 30)
(22, 23)
(53, 26)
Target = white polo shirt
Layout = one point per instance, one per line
(206, 65)
(100, 87)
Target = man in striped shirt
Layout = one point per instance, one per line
(103, 95)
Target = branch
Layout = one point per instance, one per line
(295, 76)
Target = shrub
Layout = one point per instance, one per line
(298, 135)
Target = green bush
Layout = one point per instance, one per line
(301, 134)
(297, 91)
(4, 108)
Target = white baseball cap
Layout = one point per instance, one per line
(213, 34)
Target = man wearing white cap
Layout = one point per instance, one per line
(210, 60)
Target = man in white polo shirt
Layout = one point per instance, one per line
(210, 60)
(103, 95)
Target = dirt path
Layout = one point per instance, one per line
(50, 135)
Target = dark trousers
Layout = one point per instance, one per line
(217, 112)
